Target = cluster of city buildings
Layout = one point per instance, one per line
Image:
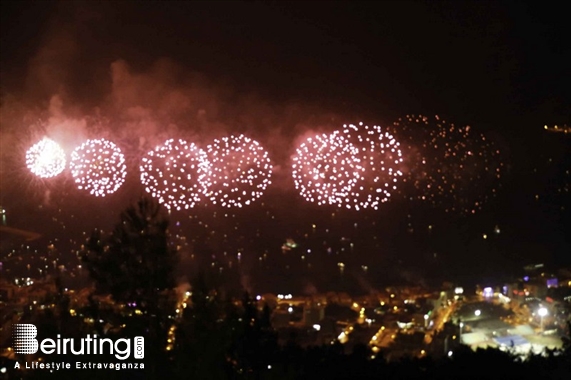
(528, 314)
(524, 314)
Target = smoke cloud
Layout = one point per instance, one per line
(72, 92)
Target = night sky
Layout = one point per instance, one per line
(139, 72)
(493, 63)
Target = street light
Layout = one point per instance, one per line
(477, 313)
(461, 325)
(542, 313)
(425, 320)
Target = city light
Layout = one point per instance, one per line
(488, 292)
(542, 313)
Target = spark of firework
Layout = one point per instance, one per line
(240, 173)
(448, 166)
(98, 166)
(175, 173)
(46, 158)
(325, 168)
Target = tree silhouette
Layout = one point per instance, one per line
(135, 264)
(566, 340)
(203, 335)
(257, 344)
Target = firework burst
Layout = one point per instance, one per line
(325, 169)
(240, 173)
(46, 158)
(381, 159)
(98, 166)
(175, 174)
